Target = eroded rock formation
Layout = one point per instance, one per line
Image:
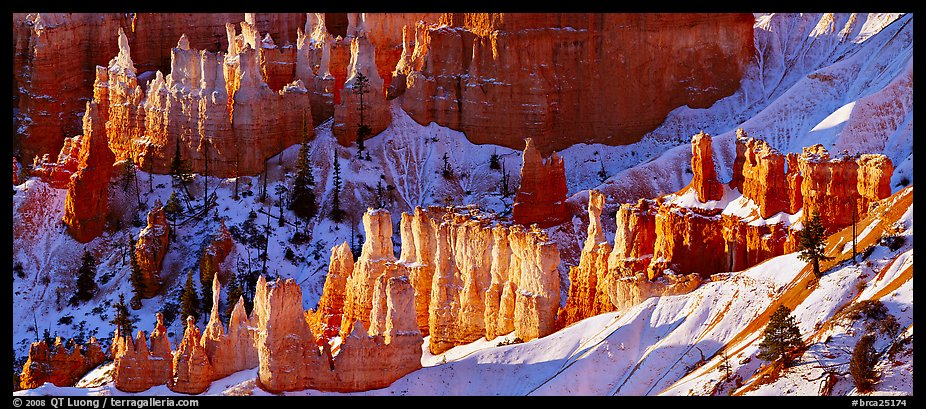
(375, 109)
(61, 364)
(219, 246)
(327, 318)
(58, 173)
(152, 246)
(87, 203)
(541, 197)
(138, 367)
(670, 244)
(498, 77)
(55, 55)
(210, 106)
(377, 253)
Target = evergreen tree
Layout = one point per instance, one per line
(360, 87)
(234, 293)
(302, 196)
(86, 279)
(173, 210)
(812, 243)
(336, 213)
(781, 336)
(136, 277)
(862, 364)
(281, 193)
(123, 319)
(380, 197)
(189, 299)
(446, 169)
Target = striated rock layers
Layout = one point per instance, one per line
(361, 102)
(55, 55)
(668, 245)
(87, 202)
(62, 364)
(151, 248)
(564, 77)
(541, 197)
(208, 108)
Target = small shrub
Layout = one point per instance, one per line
(862, 364)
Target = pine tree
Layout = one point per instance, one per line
(812, 243)
(281, 193)
(86, 279)
(139, 286)
(302, 196)
(380, 197)
(360, 87)
(173, 210)
(189, 299)
(232, 295)
(781, 336)
(336, 213)
(862, 364)
(446, 169)
(123, 319)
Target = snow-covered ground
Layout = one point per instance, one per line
(844, 81)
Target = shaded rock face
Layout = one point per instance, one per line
(588, 288)
(87, 203)
(563, 77)
(152, 246)
(55, 55)
(60, 364)
(541, 197)
(377, 254)
(214, 254)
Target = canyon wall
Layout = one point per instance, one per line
(55, 54)
(561, 78)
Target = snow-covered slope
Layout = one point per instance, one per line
(841, 80)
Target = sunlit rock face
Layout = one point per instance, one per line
(138, 367)
(670, 244)
(61, 364)
(55, 55)
(571, 78)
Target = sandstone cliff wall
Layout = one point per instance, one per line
(563, 77)
(61, 364)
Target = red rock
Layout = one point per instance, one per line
(541, 197)
(498, 77)
(331, 304)
(87, 203)
(759, 173)
(58, 173)
(377, 253)
(704, 180)
(58, 364)
(214, 254)
(193, 373)
(376, 113)
(55, 55)
(586, 297)
(152, 246)
(138, 367)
